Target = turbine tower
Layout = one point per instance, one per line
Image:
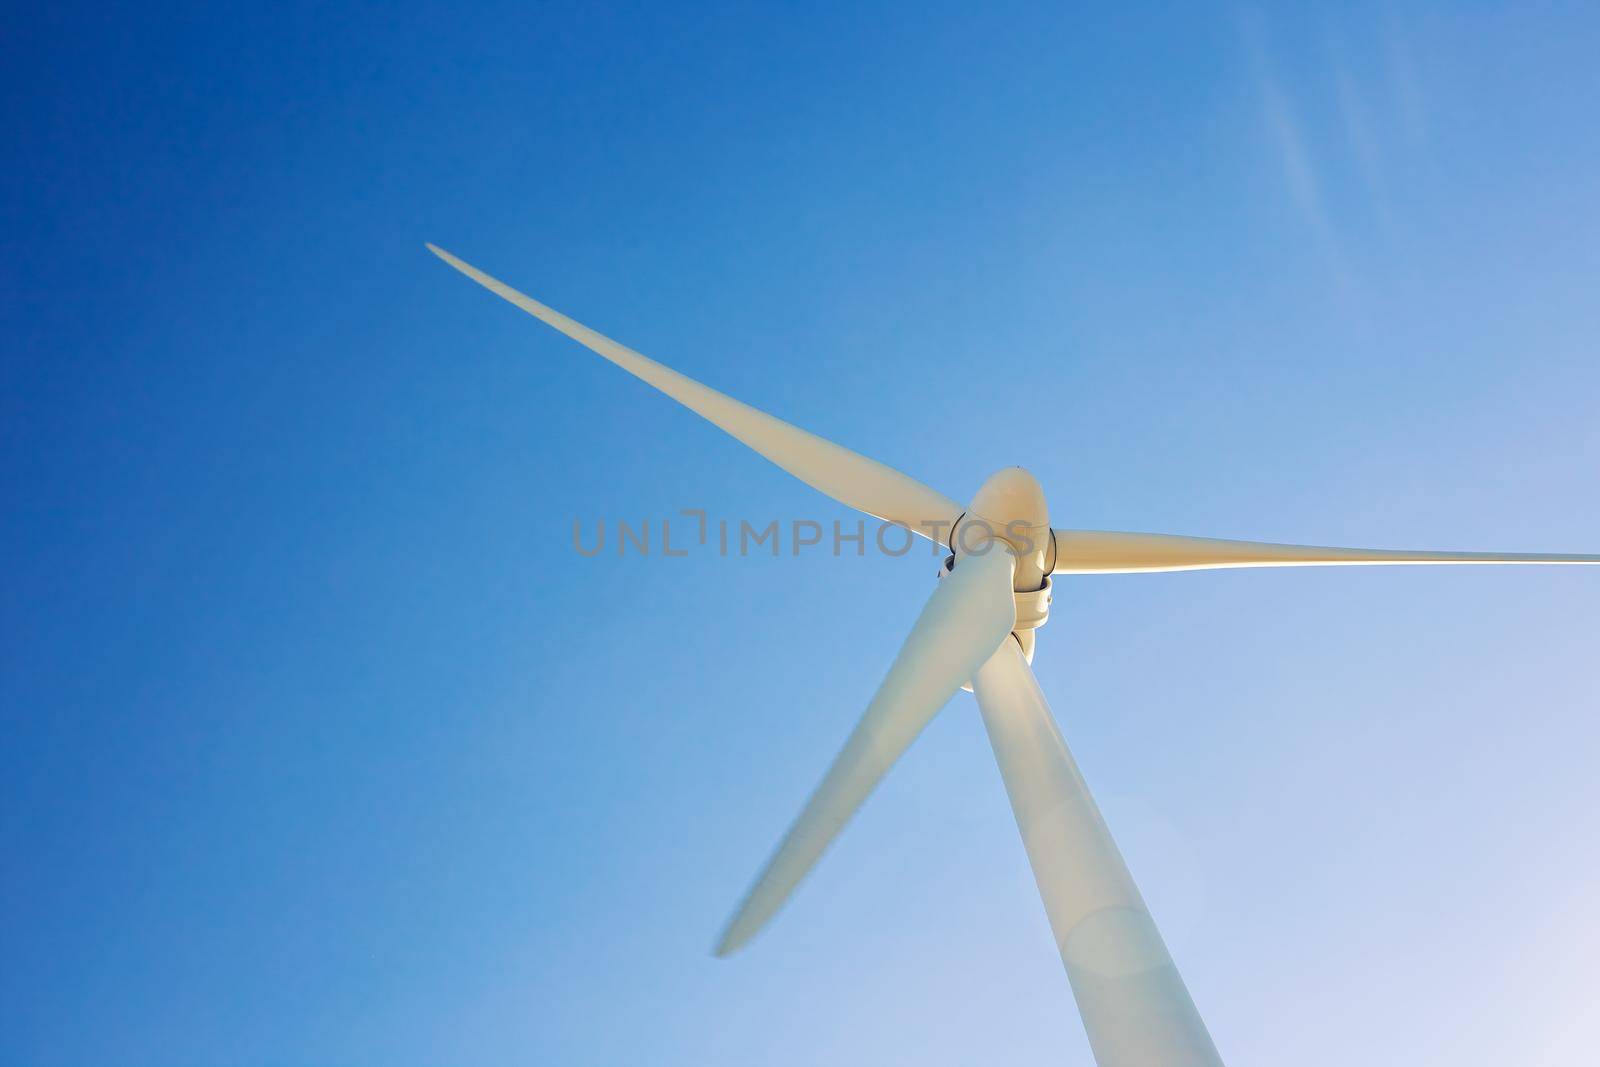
(977, 630)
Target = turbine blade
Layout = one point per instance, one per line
(848, 477)
(970, 612)
(1110, 552)
(1135, 1007)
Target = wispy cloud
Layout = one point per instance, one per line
(1291, 143)
(1355, 116)
(1289, 138)
(1403, 80)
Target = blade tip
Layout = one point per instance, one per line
(732, 940)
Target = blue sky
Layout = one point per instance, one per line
(322, 746)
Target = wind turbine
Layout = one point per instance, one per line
(977, 629)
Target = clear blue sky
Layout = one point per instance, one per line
(321, 745)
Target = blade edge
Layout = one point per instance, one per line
(1118, 552)
(971, 611)
(852, 479)
(1136, 1009)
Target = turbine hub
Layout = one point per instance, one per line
(1010, 507)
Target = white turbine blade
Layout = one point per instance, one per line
(1110, 552)
(846, 476)
(970, 612)
(1135, 1007)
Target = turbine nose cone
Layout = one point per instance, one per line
(1011, 496)
(1010, 507)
